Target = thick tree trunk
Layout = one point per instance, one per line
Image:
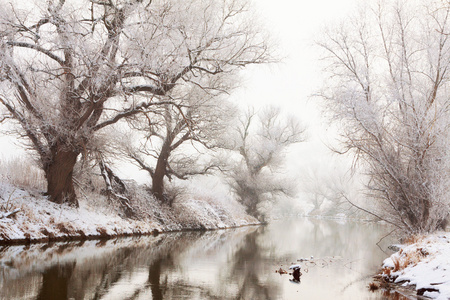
(160, 173)
(59, 174)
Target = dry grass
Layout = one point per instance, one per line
(396, 261)
(8, 203)
(23, 173)
(406, 259)
(412, 239)
(403, 259)
(102, 231)
(65, 228)
(373, 286)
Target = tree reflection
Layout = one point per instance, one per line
(155, 271)
(55, 282)
(231, 264)
(249, 266)
(111, 271)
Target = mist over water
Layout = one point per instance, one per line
(225, 264)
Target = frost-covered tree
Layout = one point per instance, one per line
(388, 90)
(69, 68)
(262, 141)
(330, 189)
(176, 139)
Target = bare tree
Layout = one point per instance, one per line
(177, 139)
(261, 142)
(388, 89)
(70, 68)
(327, 188)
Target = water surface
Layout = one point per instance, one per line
(225, 264)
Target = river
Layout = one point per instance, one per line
(225, 264)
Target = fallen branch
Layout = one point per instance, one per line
(9, 213)
(115, 188)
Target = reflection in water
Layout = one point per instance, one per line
(225, 264)
(247, 273)
(154, 277)
(55, 282)
(163, 262)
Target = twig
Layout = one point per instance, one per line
(378, 243)
(370, 213)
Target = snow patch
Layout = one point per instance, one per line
(424, 264)
(40, 219)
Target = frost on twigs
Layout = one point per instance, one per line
(179, 141)
(115, 188)
(387, 90)
(69, 69)
(261, 141)
(8, 206)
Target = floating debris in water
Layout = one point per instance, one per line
(281, 271)
(307, 263)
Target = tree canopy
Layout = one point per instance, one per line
(70, 68)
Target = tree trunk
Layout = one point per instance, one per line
(59, 174)
(160, 172)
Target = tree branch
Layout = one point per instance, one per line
(129, 112)
(158, 91)
(37, 48)
(184, 138)
(369, 212)
(23, 122)
(143, 165)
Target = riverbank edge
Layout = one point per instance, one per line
(419, 269)
(28, 217)
(99, 237)
(409, 292)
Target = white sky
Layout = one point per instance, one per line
(293, 26)
(290, 84)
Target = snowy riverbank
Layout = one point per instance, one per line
(424, 265)
(41, 220)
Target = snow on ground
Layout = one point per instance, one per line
(40, 219)
(424, 264)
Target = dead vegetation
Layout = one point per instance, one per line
(373, 286)
(23, 173)
(405, 259)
